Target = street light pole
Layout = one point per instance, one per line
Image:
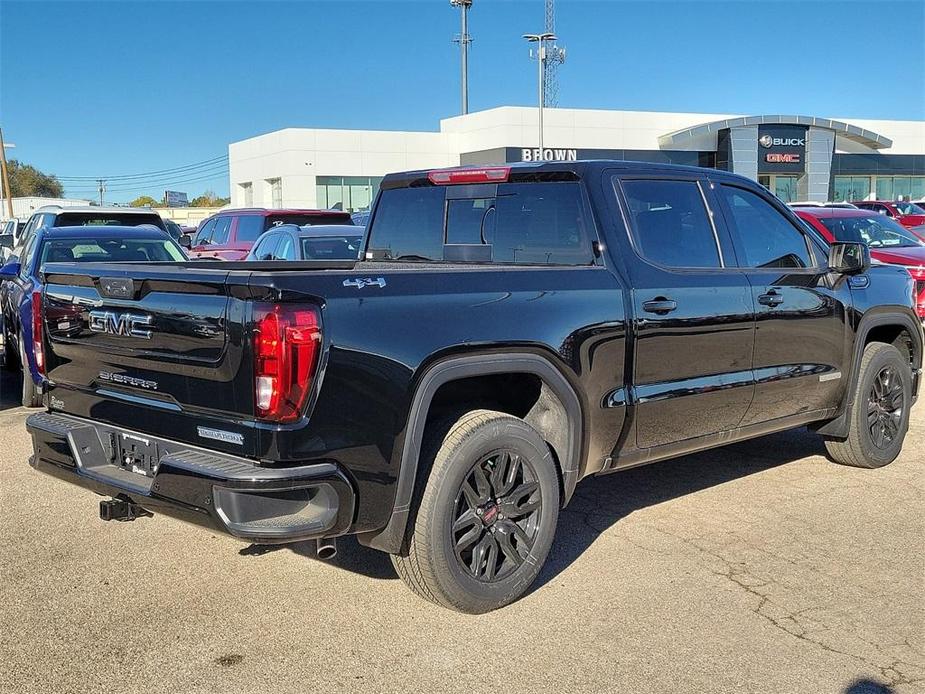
(540, 40)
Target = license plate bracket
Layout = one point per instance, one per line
(136, 454)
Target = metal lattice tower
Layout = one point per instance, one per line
(554, 59)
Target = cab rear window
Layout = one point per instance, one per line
(509, 223)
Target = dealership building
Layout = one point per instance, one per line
(797, 157)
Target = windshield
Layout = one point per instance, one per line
(908, 208)
(110, 250)
(330, 247)
(128, 219)
(875, 231)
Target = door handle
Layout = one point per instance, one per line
(660, 306)
(772, 298)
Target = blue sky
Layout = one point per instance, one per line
(110, 88)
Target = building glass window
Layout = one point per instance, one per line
(350, 193)
(276, 192)
(900, 187)
(848, 188)
(785, 188)
(247, 192)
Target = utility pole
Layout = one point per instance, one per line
(102, 188)
(6, 178)
(464, 40)
(541, 40)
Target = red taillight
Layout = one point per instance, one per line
(491, 174)
(287, 340)
(918, 274)
(38, 345)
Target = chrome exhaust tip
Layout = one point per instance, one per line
(326, 549)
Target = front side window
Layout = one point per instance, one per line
(222, 229)
(27, 256)
(266, 247)
(767, 236)
(204, 234)
(670, 223)
(285, 250)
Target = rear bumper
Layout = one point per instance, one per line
(214, 490)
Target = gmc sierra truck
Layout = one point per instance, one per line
(507, 332)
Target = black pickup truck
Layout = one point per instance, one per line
(509, 331)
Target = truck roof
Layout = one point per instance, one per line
(527, 170)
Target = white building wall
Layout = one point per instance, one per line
(299, 155)
(24, 207)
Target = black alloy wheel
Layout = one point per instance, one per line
(885, 407)
(496, 515)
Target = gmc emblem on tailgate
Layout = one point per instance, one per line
(125, 324)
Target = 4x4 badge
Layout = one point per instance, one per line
(361, 282)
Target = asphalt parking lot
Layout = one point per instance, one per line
(761, 567)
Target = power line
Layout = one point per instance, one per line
(152, 183)
(186, 168)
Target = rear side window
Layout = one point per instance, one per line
(670, 223)
(250, 227)
(517, 223)
(767, 236)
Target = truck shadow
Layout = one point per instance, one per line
(10, 389)
(601, 502)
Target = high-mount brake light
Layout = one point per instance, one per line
(38, 344)
(287, 342)
(491, 174)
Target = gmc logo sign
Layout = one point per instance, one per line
(776, 158)
(124, 324)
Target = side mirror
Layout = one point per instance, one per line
(6, 240)
(186, 241)
(849, 258)
(11, 269)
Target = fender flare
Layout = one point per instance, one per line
(390, 538)
(839, 426)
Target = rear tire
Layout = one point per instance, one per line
(31, 397)
(880, 414)
(487, 515)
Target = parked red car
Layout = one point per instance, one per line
(908, 214)
(230, 234)
(889, 242)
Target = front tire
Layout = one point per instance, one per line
(880, 414)
(31, 397)
(487, 515)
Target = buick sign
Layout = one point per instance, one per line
(767, 141)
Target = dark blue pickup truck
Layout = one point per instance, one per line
(506, 332)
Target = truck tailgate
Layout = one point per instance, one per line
(151, 348)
